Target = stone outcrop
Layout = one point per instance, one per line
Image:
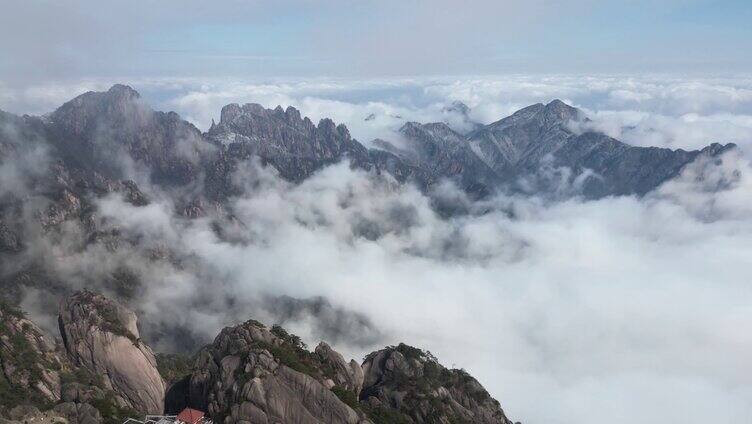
(347, 375)
(34, 384)
(102, 336)
(253, 374)
(413, 384)
(250, 373)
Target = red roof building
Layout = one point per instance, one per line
(190, 416)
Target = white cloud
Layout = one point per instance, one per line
(619, 310)
(616, 310)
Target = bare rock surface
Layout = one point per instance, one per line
(412, 386)
(102, 336)
(347, 375)
(253, 374)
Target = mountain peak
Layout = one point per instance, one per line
(413, 126)
(558, 109)
(122, 90)
(458, 107)
(229, 112)
(120, 103)
(118, 95)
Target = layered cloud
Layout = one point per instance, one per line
(618, 310)
(614, 310)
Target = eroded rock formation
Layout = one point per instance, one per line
(102, 336)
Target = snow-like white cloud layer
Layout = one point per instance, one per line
(617, 310)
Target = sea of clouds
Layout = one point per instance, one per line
(618, 310)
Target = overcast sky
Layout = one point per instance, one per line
(44, 40)
(616, 311)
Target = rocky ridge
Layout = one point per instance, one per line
(44, 380)
(250, 373)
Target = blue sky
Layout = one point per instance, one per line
(51, 40)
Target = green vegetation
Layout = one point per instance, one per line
(82, 376)
(410, 352)
(111, 412)
(125, 283)
(381, 415)
(12, 396)
(7, 308)
(107, 406)
(292, 339)
(293, 357)
(111, 322)
(293, 353)
(24, 361)
(174, 366)
(242, 377)
(347, 397)
(255, 323)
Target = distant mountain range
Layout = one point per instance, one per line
(55, 168)
(94, 131)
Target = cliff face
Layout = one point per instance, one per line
(102, 337)
(293, 145)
